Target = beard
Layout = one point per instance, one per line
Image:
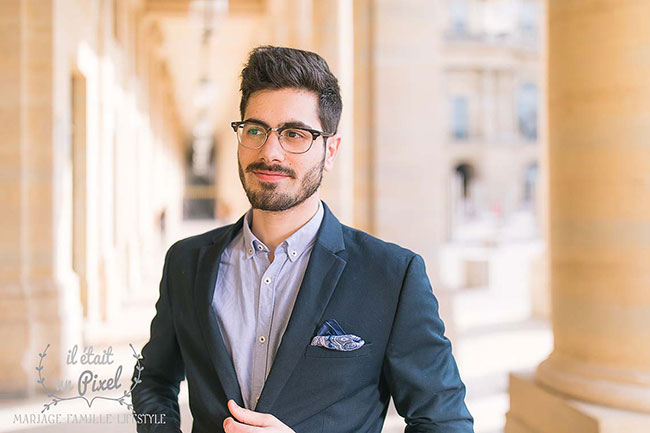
(269, 197)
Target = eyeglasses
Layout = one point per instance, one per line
(252, 135)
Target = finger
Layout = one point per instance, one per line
(250, 417)
(232, 426)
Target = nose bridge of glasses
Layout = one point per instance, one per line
(278, 131)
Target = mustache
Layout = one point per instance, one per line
(272, 168)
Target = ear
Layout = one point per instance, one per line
(331, 149)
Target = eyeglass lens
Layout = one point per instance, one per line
(254, 136)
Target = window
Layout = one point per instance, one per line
(465, 172)
(458, 11)
(460, 118)
(527, 102)
(531, 175)
(528, 17)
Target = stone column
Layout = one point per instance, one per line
(409, 172)
(300, 14)
(599, 225)
(39, 297)
(364, 194)
(333, 38)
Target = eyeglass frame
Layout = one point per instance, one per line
(314, 134)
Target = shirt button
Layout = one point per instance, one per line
(267, 280)
(259, 247)
(262, 339)
(294, 253)
(250, 251)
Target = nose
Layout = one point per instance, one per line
(272, 149)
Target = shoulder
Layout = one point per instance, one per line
(375, 250)
(191, 244)
(386, 267)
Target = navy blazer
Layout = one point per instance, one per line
(374, 289)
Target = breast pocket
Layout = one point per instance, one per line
(322, 352)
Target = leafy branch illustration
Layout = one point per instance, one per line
(122, 400)
(136, 381)
(55, 398)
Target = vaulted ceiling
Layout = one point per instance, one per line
(205, 43)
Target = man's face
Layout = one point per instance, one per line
(276, 180)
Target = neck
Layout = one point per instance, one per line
(272, 228)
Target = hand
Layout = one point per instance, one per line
(252, 422)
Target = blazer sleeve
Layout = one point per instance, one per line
(157, 393)
(419, 367)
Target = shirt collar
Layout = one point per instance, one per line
(294, 245)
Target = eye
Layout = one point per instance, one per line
(253, 131)
(295, 134)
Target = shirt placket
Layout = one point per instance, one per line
(263, 326)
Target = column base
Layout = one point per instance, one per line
(535, 409)
(601, 385)
(30, 319)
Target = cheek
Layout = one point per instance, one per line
(313, 164)
(244, 156)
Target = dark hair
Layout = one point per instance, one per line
(271, 67)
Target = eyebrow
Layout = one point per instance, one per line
(289, 124)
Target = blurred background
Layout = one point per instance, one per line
(114, 124)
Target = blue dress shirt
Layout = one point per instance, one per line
(254, 297)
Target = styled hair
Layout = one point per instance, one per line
(271, 67)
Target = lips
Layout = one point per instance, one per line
(269, 176)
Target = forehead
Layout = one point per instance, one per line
(276, 106)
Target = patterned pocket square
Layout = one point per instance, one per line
(332, 336)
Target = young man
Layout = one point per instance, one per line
(288, 320)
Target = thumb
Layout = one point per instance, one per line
(248, 417)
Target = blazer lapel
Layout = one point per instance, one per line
(204, 285)
(321, 276)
